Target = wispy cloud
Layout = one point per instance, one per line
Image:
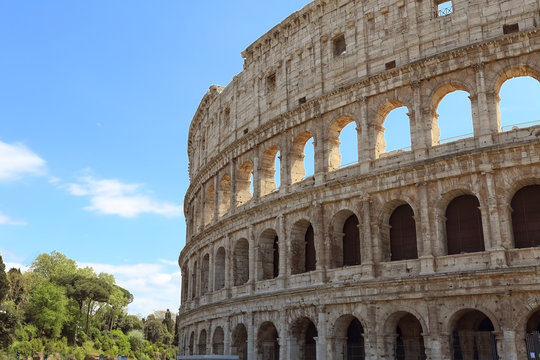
(6, 220)
(155, 286)
(113, 197)
(17, 160)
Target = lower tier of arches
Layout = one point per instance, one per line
(493, 315)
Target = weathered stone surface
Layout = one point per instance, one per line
(261, 271)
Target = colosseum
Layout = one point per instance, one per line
(426, 252)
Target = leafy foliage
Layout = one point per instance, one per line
(58, 308)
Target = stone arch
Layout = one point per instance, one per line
(436, 98)
(192, 343)
(393, 246)
(202, 342)
(218, 341)
(268, 170)
(472, 335)
(205, 274)
(243, 183)
(303, 332)
(378, 126)
(464, 229)
(209, 204)
(334, 141)
(532, 321)
(297, 156)
(345, 235)
(349, 333)
(302, 252)
(224, 195)
(241, 262)
(404, 332)
(219, 269)
(268, 264)
(525, 206)
(239, 342)
(267, 341)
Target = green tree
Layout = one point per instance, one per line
(4, 284)
(169, 322)
(53, 265)
(47, 309)
(18, 289)
(155, 331)
(130, 322)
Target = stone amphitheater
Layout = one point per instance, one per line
(428, 252)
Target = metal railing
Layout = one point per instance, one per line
(445, 11)
(520, 125)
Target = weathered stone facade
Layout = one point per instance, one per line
(424, 253)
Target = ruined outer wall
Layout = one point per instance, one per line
(467, 50)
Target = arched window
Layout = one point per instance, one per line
(267, 342)
(526, 217)
(303, 257)
(464, 232)
(241, 262)
(472, 336)
(205, 270)
(268, 255)
(239, 342)
(409, 342)
(342, 143)
(268, 170)
(351, 241)
(452, 119)
(302, 154)
(218, 341)
(519, 106)
(355, 341)
(244, 190)
(394, 133)
(202, 343)
(304, 333)
(219, 275)
(403, 234)
(224, 195)
(209, 204)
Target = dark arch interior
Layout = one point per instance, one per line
(409, 342)
(276, 257)
(472, 337)
(464, 232)
(526, 217)
(351, 241)
(239, 342)
(403, 234)
(310, 249)
(267, 341)
(355, 341)
(310, 350)
(533, 324)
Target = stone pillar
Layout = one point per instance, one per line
(203, 208)
(256, 178)
(318, 227)
(251, 337)
(419, 129)
(252, 254)
(292, 349)
(215, 215)
(366, 237)
(211, 269)
(228, 264)
(284, 162)
(282, 333)
(509, 345)
(322, 335)
(227, 338)
(365, 155)
(232, 205)
(283, 244)
(487, 122)
(425, 252)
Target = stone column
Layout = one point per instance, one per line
(232, 205)
(227, 338)
(284, 161)
(215, 216)
(426, 253)
(256, 178)
(365, 155)
(366, 239)
(211, 269)
(282, 333)
(509, 345)
(486, 109)
(228, 264)
(283, 244)
(251, 337)
(322, 335)
(203, 207)
(419, 126)
(319, 235)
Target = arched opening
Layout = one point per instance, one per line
(409, 341)
(205, 270)
(199, 216)
(345, 245)
(342, 143)
(403, 234)
(209, 205)
(218, 342)
(244, 181)
(349, 338)
(277, 167)
(394, 133)
(452, 116)
(202, 343)
(526, 217)
(239, 342)
(241, 262)
(472, 337)
(224, 195)
(302, 157)
(268, 255)
(267, 342)
(194, 281)
(532, 336)
(303, 256)
(192, 343)
(519, 106)
(304, 334)
(219, 271)
(185, 286)
(464, 232)
(268, 171)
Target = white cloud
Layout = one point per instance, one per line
(12, 265)
(6, 220)
(17, 160)
(154, 286)
(112, 197)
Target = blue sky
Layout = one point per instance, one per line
(95, 103)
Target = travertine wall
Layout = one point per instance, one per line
(330, 64)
